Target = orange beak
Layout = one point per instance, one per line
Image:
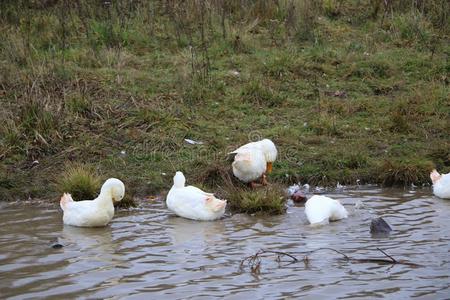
(269, 167)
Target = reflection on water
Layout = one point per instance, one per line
(150, 251)
(183, 231)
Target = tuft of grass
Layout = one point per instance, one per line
(398, 172)
(270, 199)
(80, 180)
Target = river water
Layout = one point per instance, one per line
(149, 252)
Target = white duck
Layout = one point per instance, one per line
(321, 210)
(249, 165)
(253, 160)
(192, 203)
(441, 184)
(93, 213)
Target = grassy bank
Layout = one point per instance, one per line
(348, 90)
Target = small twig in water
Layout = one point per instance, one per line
(393, 260)
(280, 254)
(337, 251)
(254, 261)
(306, 261)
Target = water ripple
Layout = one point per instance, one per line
(150, 252)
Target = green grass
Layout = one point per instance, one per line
(266, 200)
(270, 199)
(79, 180)
(345, 93)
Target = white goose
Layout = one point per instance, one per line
(192, 203)
(321, 210)
(253, 160)
(441, 184)
(93, 213)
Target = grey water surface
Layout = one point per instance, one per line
(148, 252)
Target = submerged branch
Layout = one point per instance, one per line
(280, 254)
(254, 261)
(393, 260)
(325, 248)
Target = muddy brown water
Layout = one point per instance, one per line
(148, 251)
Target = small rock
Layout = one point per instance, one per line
(298, 197)
(379, 226)
(57, 246)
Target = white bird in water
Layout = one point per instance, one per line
(321, 210)
(441, 184)
(192, 203)
(93, 213)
